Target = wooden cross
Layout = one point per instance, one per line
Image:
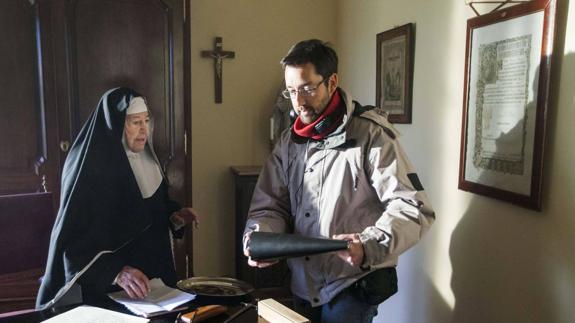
(218, 55)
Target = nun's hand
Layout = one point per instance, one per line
(134, 282)
(187, 215)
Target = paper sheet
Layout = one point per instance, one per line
(161, 298)
(90, 314)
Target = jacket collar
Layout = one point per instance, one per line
(339, 136)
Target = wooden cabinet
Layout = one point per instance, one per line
(57, 57)
(273, 280)
(24, 241)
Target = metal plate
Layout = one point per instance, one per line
(215, 286)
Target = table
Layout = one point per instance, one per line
(233, 303)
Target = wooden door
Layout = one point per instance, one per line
(28, 131)
(133, 43)
(57, 57)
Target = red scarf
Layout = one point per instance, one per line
(334, 109)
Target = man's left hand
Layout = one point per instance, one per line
(187, 215)
(354, 254)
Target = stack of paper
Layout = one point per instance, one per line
(89, 314)
(161, 299)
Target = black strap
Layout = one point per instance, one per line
(360, 109)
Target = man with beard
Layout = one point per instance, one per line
(340, 173)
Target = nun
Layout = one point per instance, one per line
(113, 227)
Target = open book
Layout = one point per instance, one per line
(161, 299)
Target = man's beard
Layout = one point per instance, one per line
(311, 114)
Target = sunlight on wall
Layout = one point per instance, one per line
(452, 204)
(446, 103)
(570, 34)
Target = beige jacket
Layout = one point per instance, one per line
(357, 180)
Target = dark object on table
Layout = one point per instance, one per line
(215, 286)
(268, 246)
(246, 308)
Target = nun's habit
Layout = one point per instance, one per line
(114, 210)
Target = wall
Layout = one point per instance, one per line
(484, 260)
(236, 132)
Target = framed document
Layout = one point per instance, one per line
(394, 61)
(505, 98)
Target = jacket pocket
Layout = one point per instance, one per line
(377, 286)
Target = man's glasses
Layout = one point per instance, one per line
(305, 91)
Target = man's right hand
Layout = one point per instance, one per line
(253, 263)
(134, 282)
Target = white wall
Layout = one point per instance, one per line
(236, 132)
(484, 260)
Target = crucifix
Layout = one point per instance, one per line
(218, 55)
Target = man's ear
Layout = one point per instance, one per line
(332, 83)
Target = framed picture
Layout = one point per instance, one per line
(395, 73)
(505, 98)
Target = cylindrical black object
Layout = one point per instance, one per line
(268, 245)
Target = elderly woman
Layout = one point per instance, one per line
(112, 229)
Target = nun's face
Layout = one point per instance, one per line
(136, 131)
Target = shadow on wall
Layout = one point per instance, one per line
(503, 257)
(499, 272)
(496, 256)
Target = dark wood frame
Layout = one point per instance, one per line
(499, 4)
(188, 131)
(406, 30)
(533, 200)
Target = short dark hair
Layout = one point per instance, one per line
(314, 51)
